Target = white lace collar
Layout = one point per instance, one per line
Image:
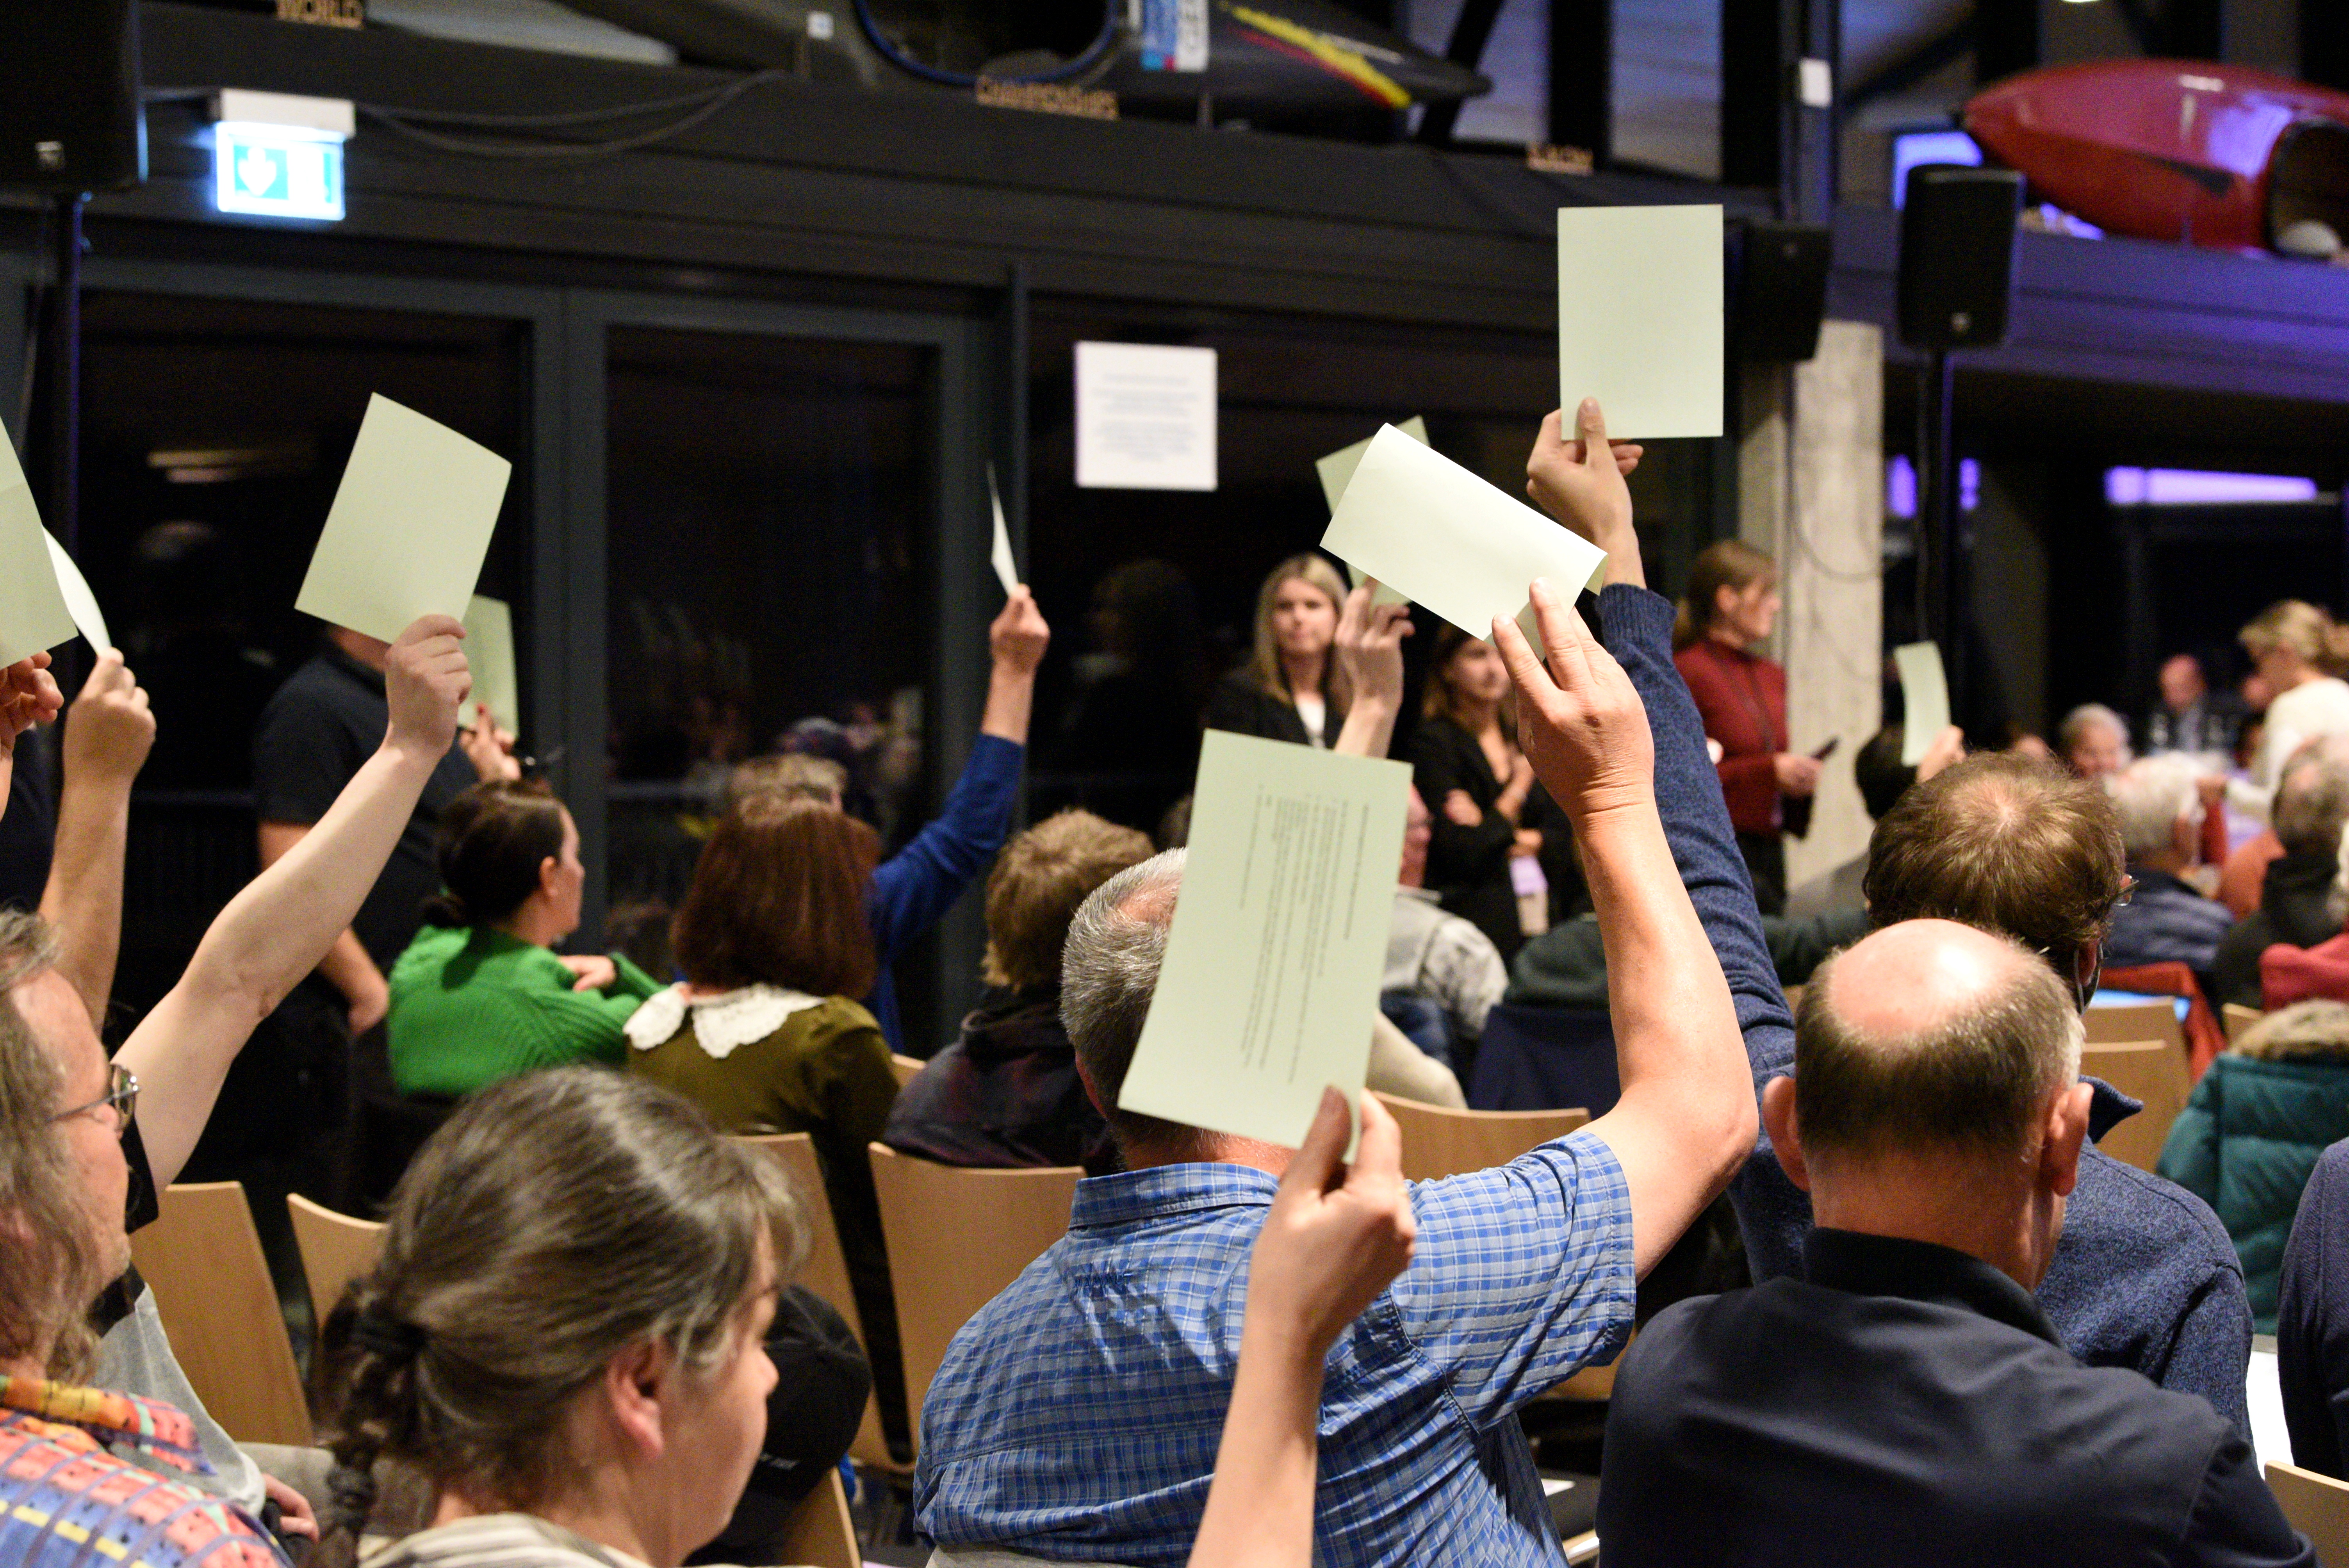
(722, 1024)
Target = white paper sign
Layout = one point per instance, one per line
(80, 603)
(489, 654)
(1271, 974)
(1007, 570)
(1924, 698)
(33, 612)
(1420, 522)
(1639, 318)
(1145, 417)
(410, 526)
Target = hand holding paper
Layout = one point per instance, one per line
(1924, 698)
(1588, 493)
(1006, 569)
(1415, 520)
(1578, 719)
(410, 526)
(426, 678)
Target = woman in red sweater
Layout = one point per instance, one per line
(1731, 604)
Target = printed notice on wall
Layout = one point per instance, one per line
(1145, 417)
(1271, 975)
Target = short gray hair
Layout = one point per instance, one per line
(1976, 1081)
(2311, 799)
(2148, 797)
(2076, 723)
(1108, 972)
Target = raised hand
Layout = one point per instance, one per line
(110, 728)
(424, 678)
(1368, 649)
(29, 695)
(1586, 494)
(489, 749)
(1335, 1237)
(1020, 636)
(1948, 744)
(1578, 718)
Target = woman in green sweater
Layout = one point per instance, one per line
(481, 995)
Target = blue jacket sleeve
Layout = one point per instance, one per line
(914, 888)
(2308, 1338)
(1637, 627)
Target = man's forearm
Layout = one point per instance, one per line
(1010, 700)
(83, 899)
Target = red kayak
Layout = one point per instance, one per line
(2220, 156)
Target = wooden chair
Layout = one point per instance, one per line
(957, 1237)
(1794, 997)
(2128, 1022)
(2239, 1020)
(822, 1534)
(1439, 1142)
(906, 1067)
(825, 1272)
(2153, 1071)
(2316, 1505)
(335, 1250)
(202, 1260)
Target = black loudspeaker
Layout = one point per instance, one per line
(70, 117)
(1782, 290)
(1957, 255)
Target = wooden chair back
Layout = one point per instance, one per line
(905, 1068)
(822, 1534)
(1439, 1142)
(2153, 1071)
(2239, 1020)
(2316, 1505)
(1794, 997)
(825, 1272)
(2124, 1023)
(202, 1260)
(335, 1250)
(957, 1237)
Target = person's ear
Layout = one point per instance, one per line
(2087, 968)
(637, 1383)
(2066, 1130)
(1085, 1077)
(1786, 1137)
(1724, 599)
(550, 875)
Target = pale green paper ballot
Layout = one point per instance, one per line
(1336, 472)
(1640, 320)
(1924, 698)
(33, 613)
(489, 654)
(1272, 976)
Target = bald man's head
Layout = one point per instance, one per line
(1931, 1035)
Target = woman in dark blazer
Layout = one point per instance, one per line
(1291, 688)
(1498, 837)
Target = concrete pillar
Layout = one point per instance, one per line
(1811, 494)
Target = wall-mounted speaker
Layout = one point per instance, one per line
(70, 116)
(1781, 291)
(1957, 255)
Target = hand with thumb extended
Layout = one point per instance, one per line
(1578, 718)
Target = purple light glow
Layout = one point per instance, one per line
(2197, 487)
(1928, 146)
(1900, 488)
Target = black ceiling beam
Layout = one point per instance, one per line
(1758, 48)
(1582, 75)
(2006, 38)
(1471, 31)
(2324, 44)
(2197, 29)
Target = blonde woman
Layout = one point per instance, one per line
(2297, 648)
(1293, 686)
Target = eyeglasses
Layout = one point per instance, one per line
(121, 1095)
(2129, 887)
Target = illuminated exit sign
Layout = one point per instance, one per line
(276, 156)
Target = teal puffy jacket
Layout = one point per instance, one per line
(2246, 1144)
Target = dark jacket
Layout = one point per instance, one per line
(1243, 707)
(2143, 1277)
(2313, 1321)
(1468, 868)
(1005, 1093)
(2246, 1143)
(1565, 967)
(2292, 902)
(1905, 1404)
(2166, 921)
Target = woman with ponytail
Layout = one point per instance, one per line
(481, 995)
(1731, 604)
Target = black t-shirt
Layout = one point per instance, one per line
(30, 825)
(142, 1211)
(319, 729)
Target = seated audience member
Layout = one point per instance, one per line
(764, 1034)
(2166, 919)
(1006, 1092)
(2289, 973)
(2094, 741)
(2313, 1320)
(1905, 1400)
(2145, 1277)
(911, 890)
(566, 1336)
(2295, 896)
(1293, 688)
(2190, 718)
(2255, 1129)
(1439, 965)
(1074, 1415)
(1882, 779)
(481, 995)
(1565, 967)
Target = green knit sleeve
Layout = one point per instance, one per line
(633, 982)
(573, 1025)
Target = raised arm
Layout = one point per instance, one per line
(1370, 649)
(109, 730)
(1333, 1239)
(1017, 642)
(278, 928)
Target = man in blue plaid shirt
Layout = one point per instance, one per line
(1076, 1418)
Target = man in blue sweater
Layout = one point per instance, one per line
(2145, 1276)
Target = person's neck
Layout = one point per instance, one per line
(1304, 672)
(599, 1515)
(2299, 676)
(364, 650)
(1728, 636)
(27, 1368)
(533, 922)
(1479, 717)
(2168, 862)
(1918, 1201)
(1217, 1149)
(1414, 875)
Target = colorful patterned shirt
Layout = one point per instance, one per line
(65, 1502)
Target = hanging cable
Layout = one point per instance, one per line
(1098, 52)
(699, 107)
